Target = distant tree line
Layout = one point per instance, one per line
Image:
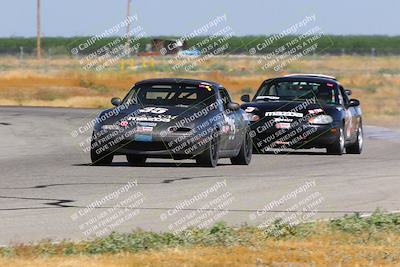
(327, 44)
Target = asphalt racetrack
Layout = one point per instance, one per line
(48, 189)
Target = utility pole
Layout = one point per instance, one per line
(128, 29)
(38, 49)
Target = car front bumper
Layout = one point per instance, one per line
(302, 136)
(152, 144)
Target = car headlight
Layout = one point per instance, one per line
(110, 127)
(250, 117)
(321, 119)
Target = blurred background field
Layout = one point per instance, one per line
(332, 44)
(62, 81)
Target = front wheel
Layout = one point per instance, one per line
(209, 157)
(245, 153)
(357, 146)
(337, 148)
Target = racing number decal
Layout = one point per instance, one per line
(153, 110)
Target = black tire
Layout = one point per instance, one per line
(136, 160)
(245, 153)
(357, 146)
(337, 148)
(209, 157)
(100, 159)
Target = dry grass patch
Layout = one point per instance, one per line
(350, 241)
(62, 82)
(315, 252)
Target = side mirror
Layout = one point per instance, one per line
(116, 101)
(348, 92)
(233, 106)
(354, 103)
(245, 98)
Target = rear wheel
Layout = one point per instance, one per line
(246, 150)
(357, 146)
(337, 148)
(135, 160)
(209, 157)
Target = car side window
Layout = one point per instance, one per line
(225, 96)
(343, 98)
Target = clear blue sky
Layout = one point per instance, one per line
(179, 17)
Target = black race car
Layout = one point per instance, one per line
(173, 118)
(304, 111)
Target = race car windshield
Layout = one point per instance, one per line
(298, 90)
(170, 95)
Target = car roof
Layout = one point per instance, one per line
(179, 81)
(311, 75)
(306, 78)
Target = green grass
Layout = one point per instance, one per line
(329, 44)
(374, 228)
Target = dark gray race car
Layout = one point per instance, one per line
(305, 111)
(173, 118)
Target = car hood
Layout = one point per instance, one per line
(148, 113)
(303, 107)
